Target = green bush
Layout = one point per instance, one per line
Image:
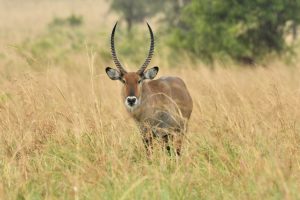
(72, 20)
(54, 45)
(245, 31)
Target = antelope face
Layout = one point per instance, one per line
(132, 84)
(132, 81)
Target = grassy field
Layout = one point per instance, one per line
(65, 133)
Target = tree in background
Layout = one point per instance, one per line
(136, 10)
(172, 10)
(243, 30)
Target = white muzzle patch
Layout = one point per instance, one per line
(131, 102)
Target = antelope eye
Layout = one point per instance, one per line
(123, 81)
(140, 81)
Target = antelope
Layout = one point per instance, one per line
(161, 108)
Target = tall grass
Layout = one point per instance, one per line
(65, 133)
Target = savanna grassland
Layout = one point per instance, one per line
(65, 134)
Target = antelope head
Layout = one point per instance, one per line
(132, 81)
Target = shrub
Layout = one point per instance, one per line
(245, 31)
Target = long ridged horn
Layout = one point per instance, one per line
(113, 51)
(151, 51)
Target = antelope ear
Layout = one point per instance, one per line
(113, 74)
(151, 73)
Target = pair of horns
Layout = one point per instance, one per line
(114, 54)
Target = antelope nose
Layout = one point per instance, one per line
(131, 100)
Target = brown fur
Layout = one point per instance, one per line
(164, 110)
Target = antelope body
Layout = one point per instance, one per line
(161, 107)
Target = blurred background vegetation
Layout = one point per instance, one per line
(245, 31)
(215, 31)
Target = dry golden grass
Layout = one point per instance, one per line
(66, 135)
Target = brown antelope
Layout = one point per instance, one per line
(161, 107)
